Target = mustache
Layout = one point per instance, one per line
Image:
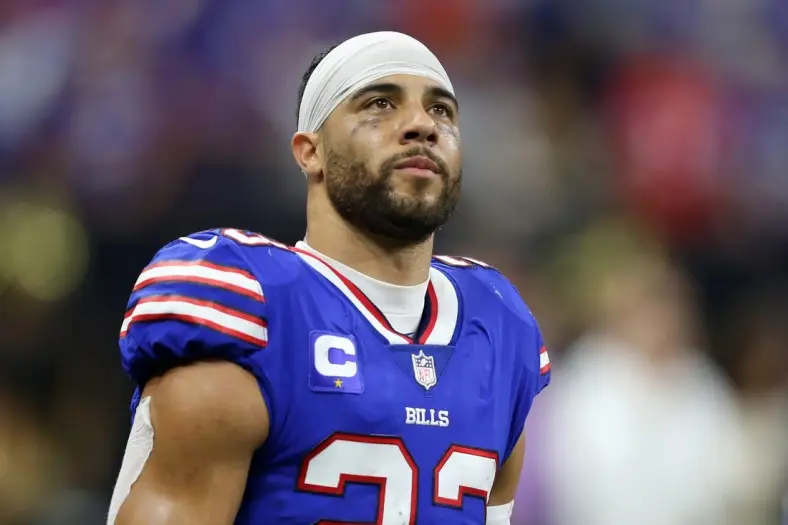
(417, 151)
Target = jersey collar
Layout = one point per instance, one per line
(441, 306)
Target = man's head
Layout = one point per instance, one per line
(378, 134)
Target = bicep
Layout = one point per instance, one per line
(206, 420)
(508, 477)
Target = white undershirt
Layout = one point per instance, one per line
(402, 305)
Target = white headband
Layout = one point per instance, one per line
(358, 62)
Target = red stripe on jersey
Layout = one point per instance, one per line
(198, 302)
(250, 328)
(202, 263)
(198, 321)
(217, 280)
(200, 280)
(548, 366)
(432, 297)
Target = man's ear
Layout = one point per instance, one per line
(306, 153)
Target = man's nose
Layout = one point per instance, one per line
(418, 127)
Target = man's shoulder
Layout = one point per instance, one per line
(266, 259)
(243, 240)
(487, 288)
(203, 296)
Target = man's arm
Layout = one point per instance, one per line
(499, 508)
(207, 420)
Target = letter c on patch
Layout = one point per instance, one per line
(323, 362)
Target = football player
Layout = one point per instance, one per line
(351, 378)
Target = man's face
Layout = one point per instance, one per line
(392, 161)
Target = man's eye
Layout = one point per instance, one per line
(442, 110)
(381, 103)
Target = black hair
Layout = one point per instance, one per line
(308, 74)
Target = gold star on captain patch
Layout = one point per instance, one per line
(338, 383)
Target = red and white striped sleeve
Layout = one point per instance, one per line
(197, 299)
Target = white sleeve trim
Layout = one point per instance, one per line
(138, 449)
(499, 514)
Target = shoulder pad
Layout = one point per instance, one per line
(492, 279)
(247, 238)
(197, 299)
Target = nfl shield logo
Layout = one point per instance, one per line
(424, 369)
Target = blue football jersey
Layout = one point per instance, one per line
(367, 425)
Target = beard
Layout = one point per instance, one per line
(370, 203)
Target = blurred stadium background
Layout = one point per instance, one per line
(625, 166)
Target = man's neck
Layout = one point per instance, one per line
(389, 262)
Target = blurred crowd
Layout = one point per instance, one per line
(623, 168)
